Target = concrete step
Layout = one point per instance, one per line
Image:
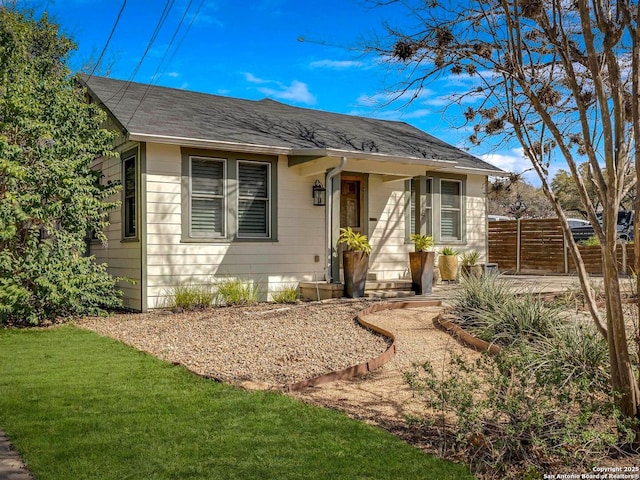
(395, 285)
(388, 294)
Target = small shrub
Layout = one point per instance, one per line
(52, 280)
(592, 241)
(233, 291)
(448, 252)
(470, 258)
(525, 317)
(477, 294)
(574, 352)
(288, 294)
(190, 297)
(489, 309)
(505, 422)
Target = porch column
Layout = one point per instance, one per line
(334, 227)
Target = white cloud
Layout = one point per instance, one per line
(513, 161)
(296, 92)
(335, 64)
(250, 77)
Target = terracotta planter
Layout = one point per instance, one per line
(448, 266)
(355, 266)
(421, 264)
(471, 271)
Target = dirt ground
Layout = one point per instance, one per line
(382, 397)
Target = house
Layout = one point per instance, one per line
(222, 187)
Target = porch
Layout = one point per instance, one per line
(401, 289)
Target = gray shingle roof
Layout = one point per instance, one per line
(168, 112)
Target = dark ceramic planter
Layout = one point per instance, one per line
(421, 264)
(355, 266)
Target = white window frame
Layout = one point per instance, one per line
(459, 210)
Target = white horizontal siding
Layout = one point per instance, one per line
(123, 258)
(389, 259)
(269, 265)
(389, 256)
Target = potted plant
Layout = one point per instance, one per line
(470, 266)
(355, 261)
(448, 264)
(421, 264)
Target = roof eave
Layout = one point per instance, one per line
(209, 144)
(333, 152)
(491, 172)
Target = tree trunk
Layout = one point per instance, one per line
(623, 380)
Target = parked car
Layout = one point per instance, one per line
(625, 228)
(493, 218)
(577, 222)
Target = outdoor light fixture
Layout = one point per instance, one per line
(319, 194)
(518, 207)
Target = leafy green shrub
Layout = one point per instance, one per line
(233, 291)
(288, 294)
(190, 297)
(544, 398)
(50, 281)
(49, 137)
(591, 241)
(355, 241)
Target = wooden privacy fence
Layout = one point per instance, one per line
(538, 246)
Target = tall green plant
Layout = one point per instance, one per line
(422, 242)
(354, 241)
(49, 195)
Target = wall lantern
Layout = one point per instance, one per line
(319, 194)
(518, 208)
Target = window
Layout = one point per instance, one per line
(426, 208)
(420, 200)
(450, 210)
(435, 206)
(129, 191)
(227, 198)
(253, 199)
(412, 207)
(207, 197)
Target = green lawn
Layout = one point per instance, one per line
(79, 406)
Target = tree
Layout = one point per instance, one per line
(49, 196)
(566, 190)
(503, 192)
(562, 79)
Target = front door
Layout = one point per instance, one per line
(351, 208)
(352, 202)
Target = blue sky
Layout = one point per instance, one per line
(303, 53)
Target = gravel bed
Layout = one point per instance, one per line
(261, 346)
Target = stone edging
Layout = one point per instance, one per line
(365, 367)
(464, 337)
